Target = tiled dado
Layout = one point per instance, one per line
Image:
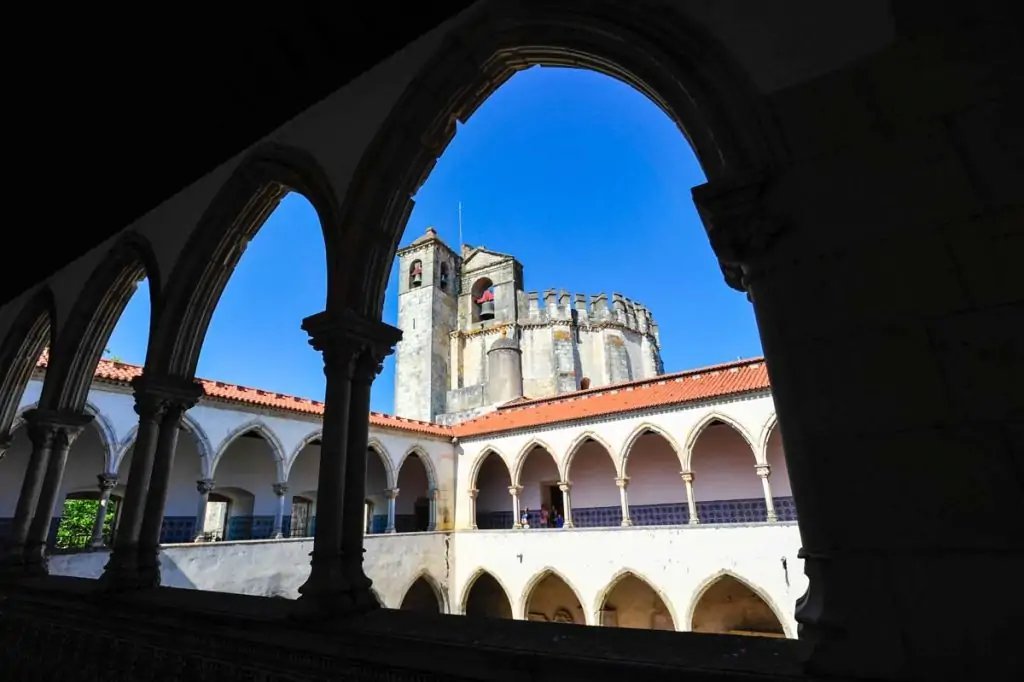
(750, 510)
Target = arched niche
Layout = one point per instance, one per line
(539, 478)
(726, 486)
(730, 606)
(486, 598)
(631, 602)
(422, 597)
(249, 463)
(549, 598)
(412, 507)
(493, 502)
(657, 495)
(594, 495)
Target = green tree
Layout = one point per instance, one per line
(76, 522)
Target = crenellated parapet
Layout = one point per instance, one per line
(583, 310)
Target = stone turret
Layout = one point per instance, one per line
(504, 371)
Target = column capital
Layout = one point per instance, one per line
(738, 224)
(622, 481)
(205, 486)
(156, 396)
(106, 481)
(391, 493)
(763, 470)
(515, 489)
(687, 476)
(55, 428)
(280, 489)
(473, 492)
(351, 342)
(564, 486)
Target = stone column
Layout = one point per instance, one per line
(378, 342)
(565, 487)
(63, 428)
(473, 492)
(151, 403)
(107, 482)
(41, 436)
(691, 503)
(178, 395)
(623, 483)
(392, 495)
(349, 343)
(514, 490)
(204, 487)
(433, 494)
(280, 489)
(764, 471)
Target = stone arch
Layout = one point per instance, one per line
(674, 62)
(577, 444)
(767, 430)
(188, 423)
(426, 578)
(253, 425)
(517, 467)
(306, 440)
(640, 430)
(706, 421)
(385, 458)
(428, 464)
(234, 216)
(536, 580)
(480, 458)
(468, 591)
(30, 332)
(73, 359)
(719, 575)
(107, 437)
(618, 577)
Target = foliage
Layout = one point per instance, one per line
(77, 519)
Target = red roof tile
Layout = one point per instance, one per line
(733, 378)
(743, 376)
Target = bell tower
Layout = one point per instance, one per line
(428, 293)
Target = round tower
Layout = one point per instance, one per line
(504, 371)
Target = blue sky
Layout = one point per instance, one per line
(579, 176)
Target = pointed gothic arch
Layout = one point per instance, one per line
(725, 574)
(481, 457)
(524, 452)
(577, 444)
(423, 577)
(616, 579)
(255, 188)
(32, 330)
(382, 453)
(708, 96)
(646, 427)
(252, 426)
(308, 439)
(538, 578)
(428, 465)
(467, 593)
(769, 427)
(74, 357)
(702, 425)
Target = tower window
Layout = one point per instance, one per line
(482, 296)
(443, 280)
(415, 274)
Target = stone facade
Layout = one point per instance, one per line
(567, 341)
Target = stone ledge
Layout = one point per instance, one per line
(247, 634)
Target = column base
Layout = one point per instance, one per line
(693, 522)
(626, 522)
(121, 574)
(773, 518)
(568, 524)
(517, 526)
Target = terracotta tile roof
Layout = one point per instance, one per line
(733, 378)
(121, 373)
(742, 376)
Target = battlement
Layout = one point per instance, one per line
(551, 306)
